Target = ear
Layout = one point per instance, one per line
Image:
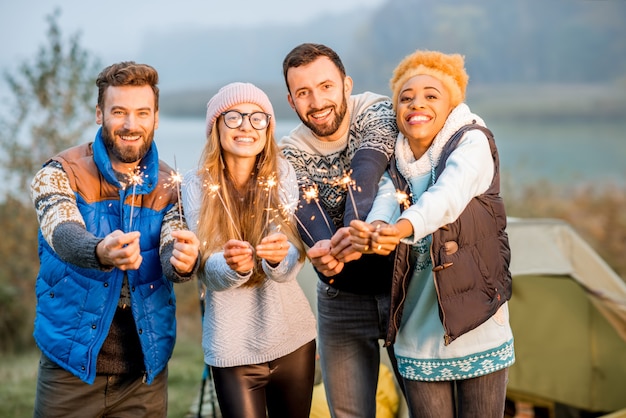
(347, 85)
(290, 100)
(156, 120)
(98, 115)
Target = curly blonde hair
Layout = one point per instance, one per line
(448, 68)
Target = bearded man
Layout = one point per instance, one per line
(339, 153)
(112, 241)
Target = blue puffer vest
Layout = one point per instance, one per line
(75, 306)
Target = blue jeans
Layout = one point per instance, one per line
(350, 327)
(479, 397)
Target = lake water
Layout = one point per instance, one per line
(563, 153)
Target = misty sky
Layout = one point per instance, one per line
(115, 29)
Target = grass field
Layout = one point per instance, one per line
(18, 372)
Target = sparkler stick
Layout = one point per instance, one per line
(269, 184)
(288, 210)
(176, 179)
(347, 182)
(214, 190)
(304, 228)
(135, 177)
(312, 194)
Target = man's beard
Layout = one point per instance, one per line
(329, 129)
(126, 154)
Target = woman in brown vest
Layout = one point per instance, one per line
(439, 207)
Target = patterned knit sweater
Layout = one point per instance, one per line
(363, 154)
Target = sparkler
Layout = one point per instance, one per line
(176, 179)
(312, 193)
(402, 199)
(135, 177)
(347, 182)
(288, 210)
(214, 190)
(269, 183)
(304, 228)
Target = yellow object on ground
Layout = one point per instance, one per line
(387, 397)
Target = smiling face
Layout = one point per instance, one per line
(318, 94)
(243, 142)
(128, 121)
(422, 109)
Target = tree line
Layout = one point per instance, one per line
(504, 42)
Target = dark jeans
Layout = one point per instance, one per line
(284, 386)
(351, 327)
(479, 397)
(61, 394)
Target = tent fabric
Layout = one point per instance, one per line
(568, 314)
(552, 247)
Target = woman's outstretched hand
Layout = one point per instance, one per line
(375, 238)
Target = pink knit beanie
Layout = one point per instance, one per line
(233, 94)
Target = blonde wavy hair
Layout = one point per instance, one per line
(238, 215)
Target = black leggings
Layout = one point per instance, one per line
(283, 386)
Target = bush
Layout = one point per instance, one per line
(595, 212)
(18, 272)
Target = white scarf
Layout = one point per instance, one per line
(409, 167)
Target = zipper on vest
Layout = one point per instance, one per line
(401, 303)
(446, 337)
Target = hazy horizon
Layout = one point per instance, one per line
(117, 30)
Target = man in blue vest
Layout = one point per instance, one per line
(112, 241)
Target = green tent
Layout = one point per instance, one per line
(568, 314)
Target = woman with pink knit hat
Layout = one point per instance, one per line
(439, 208)
(258, 328)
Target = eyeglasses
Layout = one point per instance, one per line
(233, 119)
